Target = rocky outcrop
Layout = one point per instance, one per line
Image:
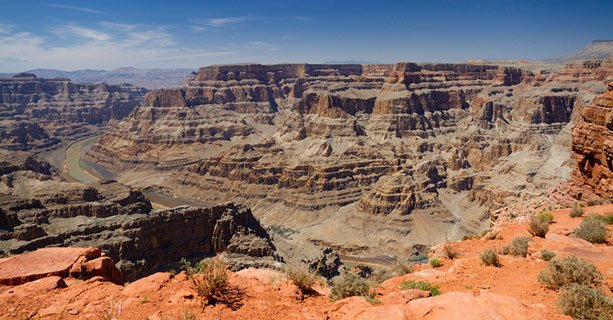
(401, 148)
(35, 113)
(593, 146)
(38, 210)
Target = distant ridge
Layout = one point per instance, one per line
(147, 78)
(598, 49)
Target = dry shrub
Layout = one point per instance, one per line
(348, 284)
(490, 258)
(212, 285)
(302, 277)
(538, 226)
(570, 270)
(593, 229)
(584, 302)
(518, 247)
(547, 255)
(576, 211)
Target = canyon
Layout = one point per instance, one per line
(367, 159)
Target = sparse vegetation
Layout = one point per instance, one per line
(538, 226)
(608, 219)
(584, 302)
(593, 229)
(281, 230)
(546, 216)
(547, 255)
(371, 298)
(435, 262)
(449, 252)
(594, 202)
(144, 299)
(211, 282)
(421, 285)
(302, 277)
(402, 267)
(570, 270)
(518, 247)
(576, 211)
(471, 237)
(189, 267)
(490, 258)
(348, 284)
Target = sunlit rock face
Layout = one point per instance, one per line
(418, 152)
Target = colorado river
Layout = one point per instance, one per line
(79, 169)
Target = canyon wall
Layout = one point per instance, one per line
(36, 113)
(38, 210)
(361, 158)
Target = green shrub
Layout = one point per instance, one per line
(191, 268)
(546, 216)
(211, 283)
(576, 211)
(563, 272)
(538, 226)
(490, 258)
(348, 284)
(302, 277)
(421, 285)
(584, 302)
(593, 229)
(435, 262)
(518, 247)
(608, 219)
(547, 255)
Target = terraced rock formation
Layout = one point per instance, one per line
(38, 210)
(36, 113)
(593, 146)
(365, 159)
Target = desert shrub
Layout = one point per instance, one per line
(593, 229)
(538, 226)
(191, 268)
(348, 284)
(518, 247)
(576, 211)
(490, 258)
(302, 277)
(449, 252)
(563, 272)
(547, 255)
(402, 267)
(421, 285)
(545, 215)
(594, 202)
(584, 302)
(371, 298)
(435, 262)
(211, 283)
(471, 237)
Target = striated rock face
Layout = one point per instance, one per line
(37, 210)
(384, 153)
(593, 145)
(35, 112)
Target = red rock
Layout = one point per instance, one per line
(42, 263)
(104, 267)
(151, 283)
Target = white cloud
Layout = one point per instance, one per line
(263, 45)
(212, 24)
(81, 32)
(5, 28)
(107, 47)
(82, 9)
(224, 22)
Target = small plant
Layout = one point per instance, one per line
(190, 268)
(576, 211)
(371, 298)
(518, 247)
(144, 299)
(608, 219)
(584, 302)
(547, 255)
(593, 229)
(435, 262)
(302, 277)
(421, 285)
(471, 237)
(449, 251)
(538, 226)
(545, 215)
(563, 272)
(490, 258)
(348, 284)
(211, 283)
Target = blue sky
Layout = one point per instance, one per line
(108, 34)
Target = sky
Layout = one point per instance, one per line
(71, 35)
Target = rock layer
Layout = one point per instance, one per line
(403, 149)
(593, 145)
(37, 210)
(35, 113)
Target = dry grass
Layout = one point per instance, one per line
(302, 277)
(490, 258)
(538, 226)
(211, 284)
